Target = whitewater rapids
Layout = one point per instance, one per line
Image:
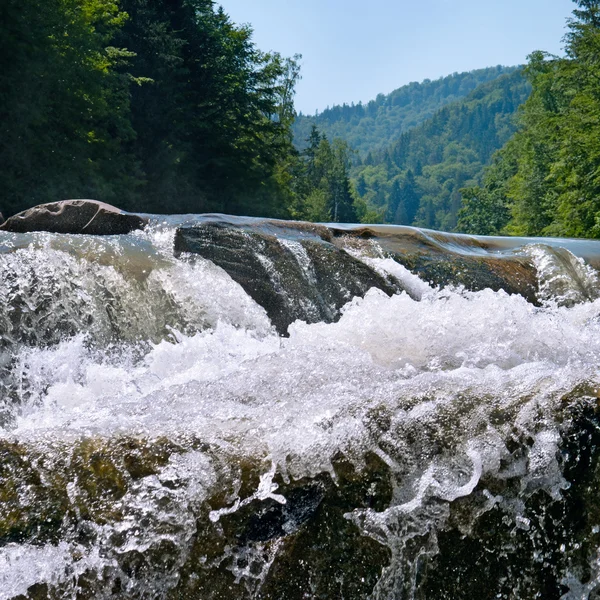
(114, 338)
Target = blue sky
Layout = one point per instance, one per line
(354, 49)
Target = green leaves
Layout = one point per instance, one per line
(417, 180)
(155, 106)
(323, 188)
(379, 123)
(550, 170)
(64, 105)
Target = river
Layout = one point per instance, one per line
(164, 435)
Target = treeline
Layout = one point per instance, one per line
(417, 180)
(167, 106)
(546, 179)
(378, 123)
(157, 106)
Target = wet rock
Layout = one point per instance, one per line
(292, 273)
(280, 552)
(75, 216)
(263, 521)
(547, 550)
(272, 550)
(36, 504)
(261, 549)
(445, 259)
(306, 271)
(32, 506)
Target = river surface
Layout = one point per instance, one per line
(110, 342)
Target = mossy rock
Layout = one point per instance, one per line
(33, 508)
(528, 557)
(285, 551)
(42, 493)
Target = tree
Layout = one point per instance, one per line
(155, 105)
(551, 182)
(64, 103)
(214, 125)
(432, 162)
(403, 201)
(324, 186)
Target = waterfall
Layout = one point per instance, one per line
(225, 407)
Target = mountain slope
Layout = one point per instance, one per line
(375, 125)
(416, 180)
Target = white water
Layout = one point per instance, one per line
(465, 371)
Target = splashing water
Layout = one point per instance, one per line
(148, 404)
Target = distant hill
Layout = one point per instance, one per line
(417, 178)
(375, 125)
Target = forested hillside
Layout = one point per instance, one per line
(168, 106)
(377, 124)
(416, 180)
(156, 106)
(147, 104)
(546, 180)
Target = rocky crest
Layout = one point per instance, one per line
(74, 216)
(293, 271)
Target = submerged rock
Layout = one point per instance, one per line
(444, 259)
(118, 497)
(75, 216)
(163, 535)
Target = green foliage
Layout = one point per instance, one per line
(152, 105)
(485, 210)
(377, 124)
(324, 190)
(417, 180)
(550, 171)
(213, 126)
(63, 102)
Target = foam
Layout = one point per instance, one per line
(451, 369)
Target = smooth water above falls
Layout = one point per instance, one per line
(166, 433)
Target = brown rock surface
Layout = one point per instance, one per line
(75, 216)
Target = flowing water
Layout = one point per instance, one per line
(159, 438)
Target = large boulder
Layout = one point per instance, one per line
(75, 216)
(134, 504)
(289, 269)
(297, 270)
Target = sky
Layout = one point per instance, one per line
(353, 50)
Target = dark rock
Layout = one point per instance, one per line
(265, 520)
(309, 543)
(305, 271)
(75, 216)
(318, 548)
(1, 218)
(295, 274)
(500, 558)
(446, 259)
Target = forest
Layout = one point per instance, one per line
(546, 179)
(417, 179)
(154, 106)
(379, 123)
(169, 107)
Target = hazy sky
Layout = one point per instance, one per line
(352, 50)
